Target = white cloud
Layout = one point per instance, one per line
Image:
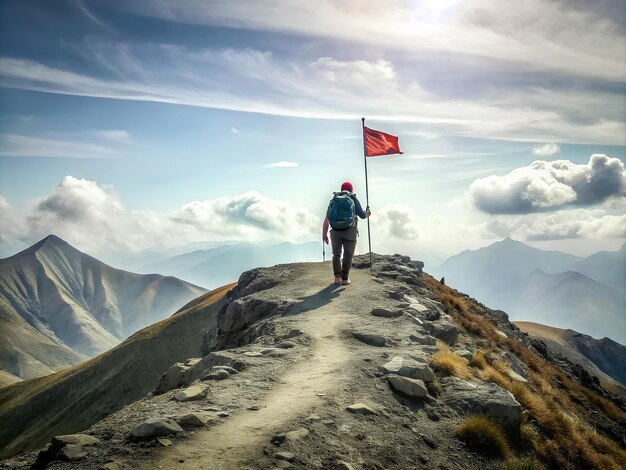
(234, 130)
(15, 145)
(89, 144)
(544, 35)
(326, 88)
(395, 220)
(282, 165)
(550, 185)
(251, 215)
(115, 135)
(92, 216)
(567, 224)
(546, 150)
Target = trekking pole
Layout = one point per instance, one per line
(323, 252)
(367, 197)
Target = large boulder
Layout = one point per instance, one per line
(412, 388)
(482, 398)
(172, 379)
(154, 428)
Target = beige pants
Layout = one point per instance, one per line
(338, 242)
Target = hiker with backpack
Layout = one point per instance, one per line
(341, 215)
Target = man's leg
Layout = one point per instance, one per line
(336, 242)
(348, 252)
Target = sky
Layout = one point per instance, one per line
(145, 124)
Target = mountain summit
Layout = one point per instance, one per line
(284, 370)
(59, 306)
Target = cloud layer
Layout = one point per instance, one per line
(550, 185)
(93, 217)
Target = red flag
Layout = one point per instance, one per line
(379, 143)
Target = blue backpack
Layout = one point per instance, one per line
(341, 211)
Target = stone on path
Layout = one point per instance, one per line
(361, 409)
(164, 442)
(72, 452)
(253, 354)
(194, 392)
(215, 374)
(409, 368)
(370, 338)
(75, 439)
(298, 434)
(155, 427)
(423, 340)
(286, 456)
(386, 313)
(230, 370)
(285, 345)
(192, 420)
(413, 388)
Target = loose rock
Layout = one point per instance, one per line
(298, 434)
(362, 409)
(370, 338)
(192, 420)
(194, 392)
(386, 313)
(412, 388)
(286, 456)
(72, 452)
(215, 374)
(172, 379)
(285, 345)
(154, 428)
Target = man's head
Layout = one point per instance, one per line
(347, 186)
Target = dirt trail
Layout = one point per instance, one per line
(227, 444)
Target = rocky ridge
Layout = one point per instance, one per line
(301, 374)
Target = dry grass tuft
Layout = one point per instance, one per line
(482, 435)
(448, 363)
(527, 462)
(478, 360)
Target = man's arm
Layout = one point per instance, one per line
(359, 209)
(325, 230)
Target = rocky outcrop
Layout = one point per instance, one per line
(475, 398)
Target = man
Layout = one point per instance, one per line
(341, 215)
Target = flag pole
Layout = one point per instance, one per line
(367, 196)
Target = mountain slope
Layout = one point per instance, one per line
(59, 306)
(567, 300)
(607, 267)
(603, 358)
(483, 272)
(74, 398)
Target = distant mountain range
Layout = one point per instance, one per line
(547, 287)
(603, 358)
(59, 306)
(223, 264)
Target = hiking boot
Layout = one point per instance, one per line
(337, 280)
(345, 282)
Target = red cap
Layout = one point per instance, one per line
(347, 186)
